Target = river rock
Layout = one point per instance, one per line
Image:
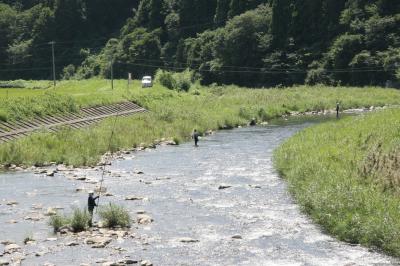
(146, 263)
(133, 198)
(51, 211)
(98, 241)
(4, 262)
(11, 248)
(12, 203)
(127, 261)
(51, 172)
(188, 240)
(6, 242)
(34, 218)
(62, 168)
(72, 244)
(40, 171)
(224, 187)
(144, 219)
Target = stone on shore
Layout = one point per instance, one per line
(144, 219)
(146, 263)
(11, 248)
(98, 241)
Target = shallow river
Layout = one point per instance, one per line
(181, 190)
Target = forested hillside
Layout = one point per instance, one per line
(245, 42)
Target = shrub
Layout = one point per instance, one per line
(57, 221)
(80, 220)
(114, 215)
(166, 79)
(181, 81)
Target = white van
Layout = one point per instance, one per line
(147, 82)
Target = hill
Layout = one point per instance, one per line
(249, 43)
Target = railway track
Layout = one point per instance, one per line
(86, 117)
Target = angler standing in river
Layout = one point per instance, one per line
(195, 136)
(91, 205)
(337, 109)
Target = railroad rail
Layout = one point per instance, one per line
(87, 116)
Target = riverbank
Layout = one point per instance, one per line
(173, 115)
(345, 175)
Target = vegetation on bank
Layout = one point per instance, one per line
(111, 215)
(345, 175)
(175, 114)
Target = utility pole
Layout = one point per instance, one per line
(112, 72)
(52, 43)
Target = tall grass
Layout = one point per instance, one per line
(78, 221)
(174, 115)
(345, 175)
(114, 215)
(58, 221)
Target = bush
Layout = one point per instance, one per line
(181, 81)
(80, 220)
(114, 215)
(57, 221)
(166, 79)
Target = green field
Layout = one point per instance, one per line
(345, 174)
(173, 114)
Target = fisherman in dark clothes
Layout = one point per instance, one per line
(91, 205)
(195, 136)
(337, 110)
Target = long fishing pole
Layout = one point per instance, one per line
(109, 149)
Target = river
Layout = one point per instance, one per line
(225, 196)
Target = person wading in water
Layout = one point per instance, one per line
(337, 109)
(91, 205)
(195, 136)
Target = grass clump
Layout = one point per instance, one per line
(77, 222)
(58, 221)
(80, 220)
(114, 215)
(345, 176)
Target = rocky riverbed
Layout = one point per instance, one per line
(219, 204)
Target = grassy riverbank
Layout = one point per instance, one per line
(346, 175)
(173, 115)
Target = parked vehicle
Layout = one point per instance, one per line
(147, 82)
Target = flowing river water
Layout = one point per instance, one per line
(253, 220)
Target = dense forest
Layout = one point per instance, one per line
(244, 42)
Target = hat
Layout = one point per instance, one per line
(91, 192)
